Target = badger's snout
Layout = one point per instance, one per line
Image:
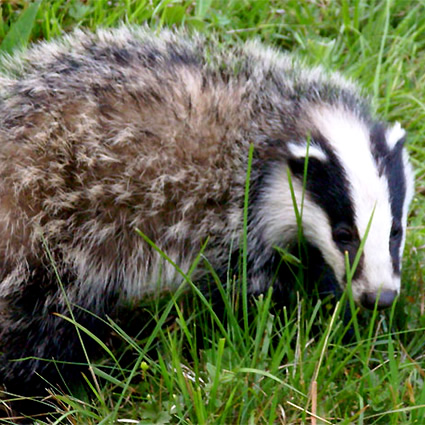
(382, 299)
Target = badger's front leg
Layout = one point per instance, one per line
(35, 342)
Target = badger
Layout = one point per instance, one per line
(122, 129)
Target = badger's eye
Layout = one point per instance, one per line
(395, 231)
(343, 235)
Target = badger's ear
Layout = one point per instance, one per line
(299, 151)
(395, 136)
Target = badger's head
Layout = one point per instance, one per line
(358, 178)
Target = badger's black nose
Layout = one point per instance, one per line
(386, 298)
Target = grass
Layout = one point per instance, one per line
(188, 366)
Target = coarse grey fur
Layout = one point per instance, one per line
(104, 133)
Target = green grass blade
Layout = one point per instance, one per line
(20, 32)
(245, 243)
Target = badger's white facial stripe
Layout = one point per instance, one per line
(349, 139)
(410, 189)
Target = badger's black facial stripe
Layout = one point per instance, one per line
(391, 163)
(328, 185)
(379, 144)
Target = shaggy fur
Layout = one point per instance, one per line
(104, 133)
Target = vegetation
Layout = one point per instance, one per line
(189, 366)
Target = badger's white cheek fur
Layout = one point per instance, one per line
(277, 222)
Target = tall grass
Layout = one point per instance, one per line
(189, 365)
